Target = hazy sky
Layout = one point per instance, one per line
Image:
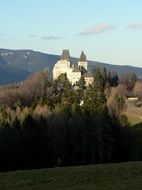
(107, 30)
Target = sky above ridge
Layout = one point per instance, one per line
(109, 31)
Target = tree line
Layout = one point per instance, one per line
(43, 123)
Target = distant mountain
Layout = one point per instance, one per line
(120, 69)
(28, 60)
(16, 65)
(10, 74)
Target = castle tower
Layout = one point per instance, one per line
(82, 63)
(65, 55)
(63, 65)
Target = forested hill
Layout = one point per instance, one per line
(16, 65)
(10, 74)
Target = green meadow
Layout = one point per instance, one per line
(125, 176)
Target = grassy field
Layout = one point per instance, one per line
(124, 176)
(133, 118)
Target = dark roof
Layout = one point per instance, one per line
(82, 57)
(65, 55)
(76, 68)
(88, 75)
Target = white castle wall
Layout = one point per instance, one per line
(60, 67)
(75, 77)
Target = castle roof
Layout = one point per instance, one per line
(65, 55)
(82, 57)
(76, 68)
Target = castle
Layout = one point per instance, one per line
(73, 71)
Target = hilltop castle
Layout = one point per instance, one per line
(73, 71)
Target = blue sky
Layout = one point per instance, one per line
(107, 30)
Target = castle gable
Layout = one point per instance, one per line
(82, 57)
(76, 68)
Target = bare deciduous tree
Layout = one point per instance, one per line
(137, 90)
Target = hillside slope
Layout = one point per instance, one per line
(99, 177)
(10, 74)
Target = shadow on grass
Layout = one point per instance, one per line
(136, 142)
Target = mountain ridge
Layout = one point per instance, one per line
(27, 61)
